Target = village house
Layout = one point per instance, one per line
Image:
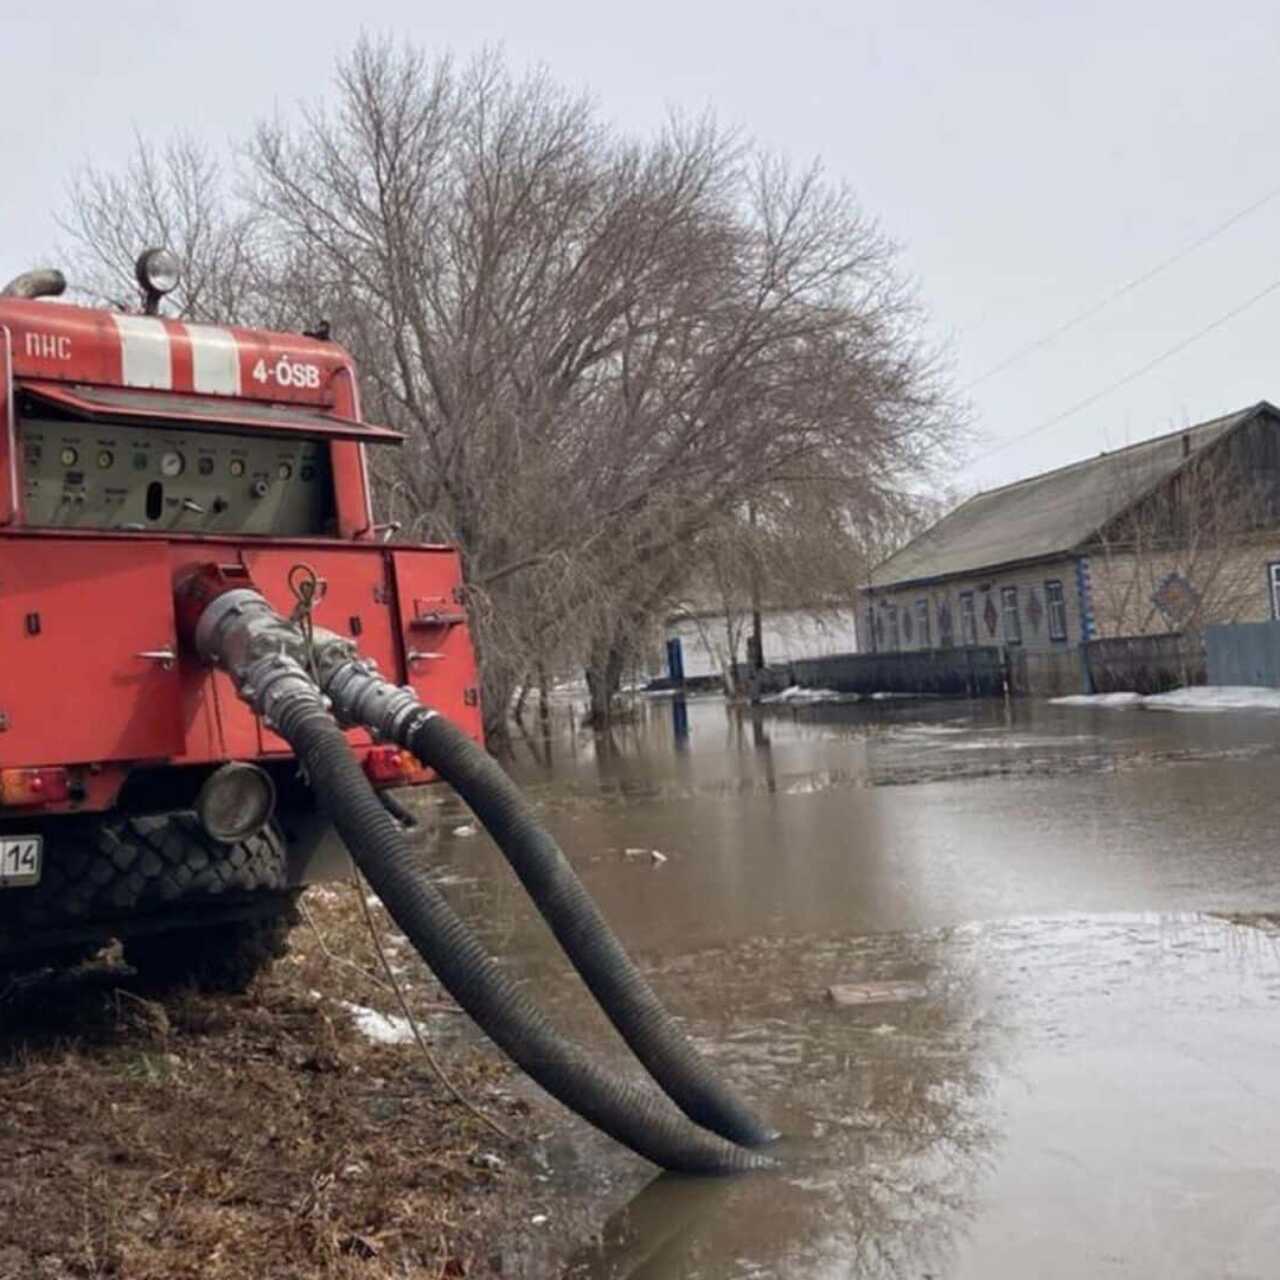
(1166, 536)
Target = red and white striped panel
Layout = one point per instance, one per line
(78, 344)
(169, 356)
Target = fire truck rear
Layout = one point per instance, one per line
(140, 798)
(210, 661)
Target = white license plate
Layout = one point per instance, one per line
(20, 858)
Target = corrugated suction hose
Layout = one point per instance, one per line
(361, 696)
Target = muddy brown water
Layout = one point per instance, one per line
(1090, 1083)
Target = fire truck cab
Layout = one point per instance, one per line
(140, 798)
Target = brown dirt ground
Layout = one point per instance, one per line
(263, 1135)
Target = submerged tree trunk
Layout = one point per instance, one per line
(544, 709)
(604, 680)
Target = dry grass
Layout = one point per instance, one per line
(250, 1136)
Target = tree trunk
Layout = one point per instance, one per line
(604, 679)
(544, 709)
(498, 684)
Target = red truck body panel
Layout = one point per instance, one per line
(77, 611)
(44, 342)
(87, 616)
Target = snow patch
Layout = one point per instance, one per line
(1197, 698)
(1100, 700)
(1225, 697)
(381, 1028)
(797, 695)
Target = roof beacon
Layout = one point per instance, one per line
(158, 273)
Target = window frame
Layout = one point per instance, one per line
(946, 624)
(924, 629)
(968, 619)
(1008, 596)
(1059, 636)
(1273, 582)
(892, 632)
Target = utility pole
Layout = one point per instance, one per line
(755, 645)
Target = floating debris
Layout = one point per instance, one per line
(861, 993)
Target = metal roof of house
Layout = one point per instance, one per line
(1052, 513)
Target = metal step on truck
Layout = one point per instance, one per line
(140, 798)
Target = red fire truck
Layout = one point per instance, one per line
(140, 798)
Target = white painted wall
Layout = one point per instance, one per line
(787, 636)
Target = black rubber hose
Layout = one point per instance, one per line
(576, 921)
(643, 1121)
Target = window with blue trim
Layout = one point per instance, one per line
(1056, 604)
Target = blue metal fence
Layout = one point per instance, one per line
(1244, 653)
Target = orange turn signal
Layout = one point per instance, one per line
(32, 786)
(388, 766)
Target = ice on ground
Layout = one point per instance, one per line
(1023, 742)
(381, 1028)
(1100, 700)
(797, 694)
(1224, 697)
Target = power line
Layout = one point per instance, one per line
(1089, 312)
(1169, 352)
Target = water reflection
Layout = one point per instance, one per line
(916, 1128)
(887, 1111)
(1098, 1042)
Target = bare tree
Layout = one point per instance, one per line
(600, 348)
(176, 195)
(1177, 558)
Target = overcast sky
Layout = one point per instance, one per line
(1031, 159)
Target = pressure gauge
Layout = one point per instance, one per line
(285, 471)
(172, 464)
(105, 459)
(69, 457)
(236, 467)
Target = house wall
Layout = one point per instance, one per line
(786, 636)
(1110, 591)
(1029, 582)
(1107, 602)
(1233, 586)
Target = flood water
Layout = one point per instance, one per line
(1085, 1083)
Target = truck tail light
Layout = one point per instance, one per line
(387, 766)
(32, 786)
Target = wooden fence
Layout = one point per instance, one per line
(941, 673)
(1141, 664)
(1145, 664)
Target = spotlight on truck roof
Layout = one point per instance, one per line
(158, 273)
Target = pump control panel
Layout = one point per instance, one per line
(87, 475)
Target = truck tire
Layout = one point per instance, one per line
(99, 870)
(225, 956)
(133, 878)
